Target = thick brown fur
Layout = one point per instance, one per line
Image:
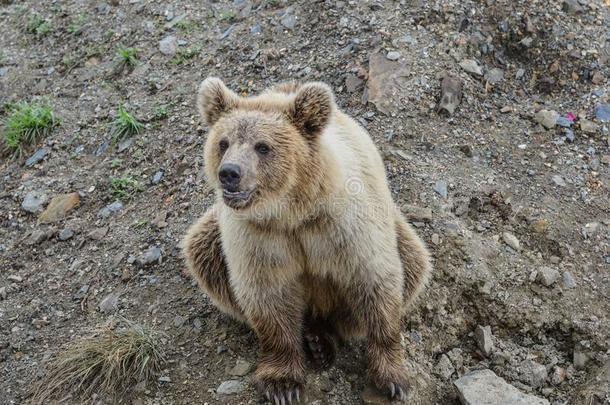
(307, 260)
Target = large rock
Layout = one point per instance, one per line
(484, 387)
(386, 81)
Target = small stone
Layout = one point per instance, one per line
(179, 321)
(164, 379)
(588, 127)
(572, 7)
(533, 374)
(547, 118)
(156, 179)
(602, 112)
(33, 202)
(37, 237)
(519, 74)
(110, 209)
(392, 55)
(444, 368)
(124, 145)
(564, 122)
(483, 336)
(36, 157)
(451, 94)
(568, 280)
(372, 396)
(557, 179)
(548, 276)
(15, 278)
(241, 368)
(168, 45)
(98, 233)
(289, 21)
(484, 387)
(435, 239)
(109, 304)
(570, 135)
(441, 188)
(152, 255)
(3, 293)
(559, 375)
(160, 221)
(494, 76)
(230, 387)
(471, 66)
(65, 234)
(511, 240)
(59, 207)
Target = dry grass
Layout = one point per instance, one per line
(110, 362)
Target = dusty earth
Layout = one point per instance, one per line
(517, 216)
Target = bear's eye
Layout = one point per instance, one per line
(262, 148)
(223, 145)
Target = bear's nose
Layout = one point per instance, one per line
(229, 175)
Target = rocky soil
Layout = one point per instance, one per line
(510, 191)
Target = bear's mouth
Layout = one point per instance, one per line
(237, 199)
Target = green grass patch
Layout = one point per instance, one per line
(128, 56)
(227, 15)
(38, 25)
(112, 361)
(185, 55)
(161, 112)
(26, 124)
(76, 25)
(125, 187)
(125, 125)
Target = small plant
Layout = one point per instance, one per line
(37, 25)
(26, 124)
(125, 187)
(115, 163)
(125, 124)
(161, 112)
(111, 361)
(184, 55)
(76, 26)
(128, 56)
(227, 15)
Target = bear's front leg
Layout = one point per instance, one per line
(277, 319)
(381, 306)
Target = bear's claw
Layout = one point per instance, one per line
(281, 392)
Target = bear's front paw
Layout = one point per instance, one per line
(280, 391)
(395, 385)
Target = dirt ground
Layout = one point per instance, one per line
(516, 215)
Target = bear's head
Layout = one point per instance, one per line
(260, 149)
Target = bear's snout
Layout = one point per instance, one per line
(229, 175)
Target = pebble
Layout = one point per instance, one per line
(494, 76)
(570, 135)
(564, 122)
(256, 29)
(65, 234)
(568, 280)
(36, 157)
(3, 293)
(547, 118)
(602, 112)
(289, 21)
(572, 7)
(483, 337)
(519, 74)
(109, 304)
(471, 66)
(37, 237)
(441, 188)
(156, 179)
(110, 209)
(511, 240)
(393, 55)
(559, 375)
(15, 278)
(152, 255)
(436, 239)
(588, 127)
(230, 387)
(482, 387)
(168, 45)
(444, 368)
(33, 202)
(451, 94)
(558, 180)
(548, 276)
(59, 207)
(533, 374)
(580, 358)
(98, 233)
(241, 368)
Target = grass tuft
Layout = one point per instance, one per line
(37, 25)
(76, 25)
(110, 362)
(125, 124)
(227, 15)
(125, 187)
(128, 56)
(185, 55)
(26, 124)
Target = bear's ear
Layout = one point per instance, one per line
(214, 99)
(312, 108)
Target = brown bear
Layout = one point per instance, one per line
(304, 243)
